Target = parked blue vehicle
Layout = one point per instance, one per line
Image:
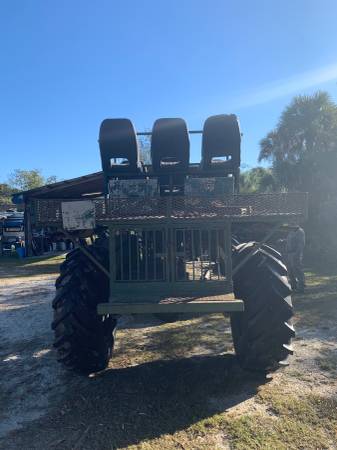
(13, 232)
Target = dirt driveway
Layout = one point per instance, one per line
(168, 386)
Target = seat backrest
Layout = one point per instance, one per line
(170, 146)
(119, 147)
(221, 143)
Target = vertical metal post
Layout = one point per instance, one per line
(164, 252)
(228, 251)
(112, 259)
(217, 252)
(171, 255)
(201, 253)
(154, 255)
(121, 250)
(177, 246)
(137, 255)
(167, 257)
(184, 243)
(171, 263)
(146, 255)
(129, 255)
(193, 254)
(28, 227)
(209, 245)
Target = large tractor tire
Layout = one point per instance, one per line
(83, 340)
(262, 333)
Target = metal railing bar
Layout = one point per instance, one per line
(149, 133)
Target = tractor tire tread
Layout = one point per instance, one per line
(262, 334)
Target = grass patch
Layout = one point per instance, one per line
(11, 267)
(197, 335)
(319, 303)
(328, 361)
(297, 422)
(177, 408)
(290, 422)
(260, 432)
(293, 423)
(176, 396)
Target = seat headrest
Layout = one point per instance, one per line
(170, 145)
(118, 146)
(221, 138)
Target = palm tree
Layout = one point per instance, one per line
(304, 142)
(302, 150)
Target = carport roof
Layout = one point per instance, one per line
(91, 185)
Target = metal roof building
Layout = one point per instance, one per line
(84, 187)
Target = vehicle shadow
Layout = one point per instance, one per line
(130, 405)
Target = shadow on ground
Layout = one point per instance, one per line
(162, 380)
(121, 407)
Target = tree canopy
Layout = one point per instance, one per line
(303, 146)
(258, 179)
(6, 193)
(23, 180)
(302, 150)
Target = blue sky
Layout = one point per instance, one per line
(67, 65)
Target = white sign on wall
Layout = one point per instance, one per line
(78, 215)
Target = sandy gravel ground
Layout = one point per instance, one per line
(29, 371)
(162, 380)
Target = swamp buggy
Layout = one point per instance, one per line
(164, 246)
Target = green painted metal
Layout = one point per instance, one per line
(131, 293)
(173, 253)
(154, 292)
(185, 271)
(153, 308)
